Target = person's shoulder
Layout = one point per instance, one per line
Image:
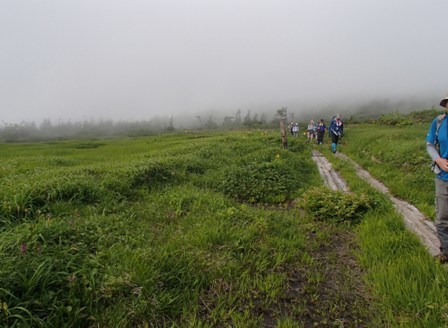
(440, 117)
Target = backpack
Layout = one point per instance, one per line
(336, 128)
(440, 119)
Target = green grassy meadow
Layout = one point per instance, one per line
(222, 229)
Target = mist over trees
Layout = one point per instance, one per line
(48, 130)
(247, 119)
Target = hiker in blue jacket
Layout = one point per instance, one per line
(321, 128)
(336, 132)
(437, 148)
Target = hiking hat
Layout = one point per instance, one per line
(443, 102)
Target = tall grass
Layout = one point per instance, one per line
(412, 286)
(198, 230)
(147, 238)
(397, 156)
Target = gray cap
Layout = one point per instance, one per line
(443, 102)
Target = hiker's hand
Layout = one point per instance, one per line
(442, 163)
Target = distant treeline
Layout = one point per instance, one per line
(48, 130)
(399, 119)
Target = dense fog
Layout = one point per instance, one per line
(139, 60)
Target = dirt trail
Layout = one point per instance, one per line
(413, 218)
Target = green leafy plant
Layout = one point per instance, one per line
(325, 204)
(269, 182)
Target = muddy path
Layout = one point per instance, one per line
(413, 218)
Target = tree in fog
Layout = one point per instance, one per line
(210, 124)
(263, 119)
(247, 119)
(170, 124)
(238, 120)
(228, 122)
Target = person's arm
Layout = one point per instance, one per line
(432, 151)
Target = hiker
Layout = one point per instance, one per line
(311, 130)
(321, 128)
(437, 148)
(295, 129)
(290, 128)
(336, 132)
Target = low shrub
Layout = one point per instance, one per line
(153, 174)
(88, 145)
(267, 182)
(325, 204)
(28, 200)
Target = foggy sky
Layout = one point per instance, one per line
(135, 59)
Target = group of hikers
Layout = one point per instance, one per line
(317, 131)
(436, 146)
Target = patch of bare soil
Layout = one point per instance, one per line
(324, 287)
(328, 289)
